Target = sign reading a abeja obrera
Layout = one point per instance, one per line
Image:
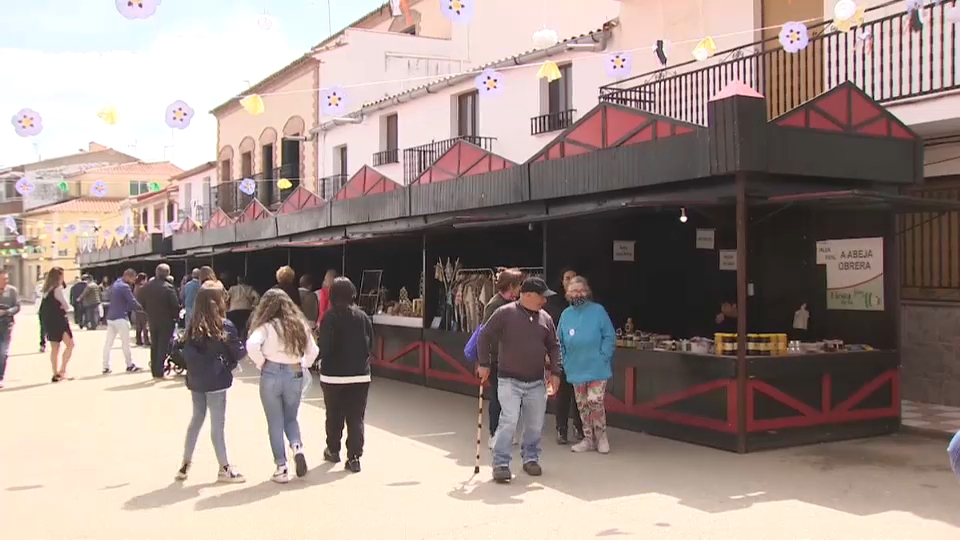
(854, 273)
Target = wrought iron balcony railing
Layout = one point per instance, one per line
(330, 185)
(229, 197)
(555, 121)
(385, 157)
(420, 158)
(896, 62)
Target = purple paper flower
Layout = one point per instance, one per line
(119, 230)
(21, 239)
(137, 9)
(179, 115)
(65, 237)
(27, 123)
(248, 186)
(489, 83)
(458, 11)
(618, 65)
(794, 37)
(10, 223)
(24, 186)
(333, 101)
(71, 228)
(106, 233)
(98, 189)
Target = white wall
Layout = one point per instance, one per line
(197, 194)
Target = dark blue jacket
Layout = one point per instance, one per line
(210, 363)
(122, 302)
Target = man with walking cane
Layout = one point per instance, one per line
(159, 301)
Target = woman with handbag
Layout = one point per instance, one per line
(282, 347)
(211, 349)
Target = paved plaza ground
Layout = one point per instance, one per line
(95, 457)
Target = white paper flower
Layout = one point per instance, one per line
(489, 83)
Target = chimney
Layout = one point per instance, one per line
(95, 147)
(737, 124)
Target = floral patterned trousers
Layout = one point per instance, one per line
(589, 398)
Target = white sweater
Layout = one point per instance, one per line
(264, 344)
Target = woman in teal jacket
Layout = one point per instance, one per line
(587, 340)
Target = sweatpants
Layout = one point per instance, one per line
(345, 404)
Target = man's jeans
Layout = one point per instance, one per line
(281, 386)
(91, 317)
(115, 327)
(5, 332)
(217, 403)
(516, 396)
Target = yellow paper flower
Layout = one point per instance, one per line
(549, 71)
(283, 183)
(704, 49)
(253, 104)
(845, 25)
(108, 114)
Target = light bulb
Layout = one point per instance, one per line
(844, 9)
(545, 38)
(683, 215)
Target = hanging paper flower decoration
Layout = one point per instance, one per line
(170, 227)
(914, 20)
(24, 186)
(248, 186)
(137, 9)
(489, 83)
(846, 15)
(458, 11)
(545, 38)
(27, 123)
(71, 228)
(253, 104)
(21, 239)
(549, 71)
(119, 230)
(98, 189)
(618, 65)
(661, 48)
(106, 233)
(283, 183)
(108, 115)
(794, 37)
(704, 49)
(65, 237)
(10, 223)
(62, 186)
(154, 187)
(844, 9)
(865, 40)
(333, 101)
(265, 22)
(179, 115)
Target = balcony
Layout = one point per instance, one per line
(330, 185)
(420, 158)
(228, 196)
(897, 65)
(555, 121)
(386, 157)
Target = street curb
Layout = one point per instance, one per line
(928, 433)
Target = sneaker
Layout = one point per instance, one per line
(585, 445)
(532, 468)
(299, 460)
(106, 371)
(331, 456)
(281, 475)
(353, 465)
(502, 474)
(228, 475)
(133, 369)
(578, 433)
(182, 473)
(603, 444)
(561, 435)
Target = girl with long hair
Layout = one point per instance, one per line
(282, 347)
(53, 314)
(211, 350)
(346, 343)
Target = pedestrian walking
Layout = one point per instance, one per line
(189, 295)
(211, 350)
(161, 309)
(309, 301)
(346, 343)
(76, 289)
(38, 297)
(53, 314)
(323, 294)
(9, 307)
(508, 289)
(241, 299)
(122, 304)
(281, 346)
(90, 301)
(564, 402)
(285, 282)
(587, 342)
(524, 336)
(141, 328)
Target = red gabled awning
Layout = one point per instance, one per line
(301, 199)
(462, 159)
(254, 211)
(366, 181)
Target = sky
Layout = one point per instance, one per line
(67, 60)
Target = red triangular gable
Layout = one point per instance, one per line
(187, 225)
(301, 199)
(219, 219)
(367, 181)
(115, 243)
(254, 211)
(462, 159)
(610, 126)
(847, 109)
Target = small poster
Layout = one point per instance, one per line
(623, 250)
(855, 274)
(706, 238)
(728, 259)
(824, 252)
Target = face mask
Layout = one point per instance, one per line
(578, 301)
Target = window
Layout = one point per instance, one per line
(467, 114)
(246, 165)
(9, 191)
(87, 242)
(290, 161)
(199, 214)
(226, 170)
(157, 219)
(559, 92)
(138, 188)
(266, 159)
(187, 194)
(392, 133)
(340, 160)
(205, 197)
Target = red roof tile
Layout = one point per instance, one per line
(83, 205)
(163, 168)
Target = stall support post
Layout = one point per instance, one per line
(741, 185)
(343, 259)
(288, 256)
(423, 278)
(246, 265)
(543, 235)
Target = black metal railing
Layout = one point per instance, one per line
(385, 157)
(555, 121)
(229, 197)
(896, 63)
(330, 185)
(420, 158)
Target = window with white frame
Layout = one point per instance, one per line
(138, 188)
(467, 114)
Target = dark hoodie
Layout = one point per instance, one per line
(210, 363)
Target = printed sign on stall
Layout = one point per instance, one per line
(824, 252)
(855, 274)
(706, 238)
(728, 259)
(623, 250)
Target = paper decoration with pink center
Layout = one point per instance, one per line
(333, 101)
(98, 189)
(179, 115)
(27, 123)
(794, 37)
(24, 186)
(458, 11)
(618, 65)
(489, 83)
(248, 186)
(137, 9)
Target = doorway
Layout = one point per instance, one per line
(290, 161)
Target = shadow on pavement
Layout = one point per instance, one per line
(25, 488)
(485, 490)
(175, 492)
(318, 476)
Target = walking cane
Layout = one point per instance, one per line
(476, 466)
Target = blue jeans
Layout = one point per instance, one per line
(516, 396)
(280, 389)
(5, 331)
(217, 403)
